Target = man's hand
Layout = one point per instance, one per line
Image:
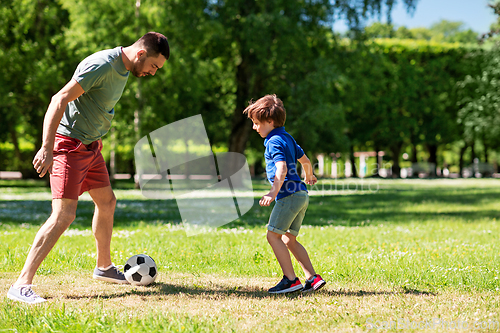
(43, 161)
(44, 158)
(266, 200)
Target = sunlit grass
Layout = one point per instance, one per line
(412, 249)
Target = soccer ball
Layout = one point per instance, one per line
(140, 270)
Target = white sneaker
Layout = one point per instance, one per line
(24, 294)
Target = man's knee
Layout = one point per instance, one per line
(105, 201)
(111, 203)
(63, 211)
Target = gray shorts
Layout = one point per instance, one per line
(288, 213)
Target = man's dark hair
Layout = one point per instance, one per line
(155, 44)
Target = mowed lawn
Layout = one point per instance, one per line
(398, 255)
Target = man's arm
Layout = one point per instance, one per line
(43, 158)
(279, 178)
(308, 170)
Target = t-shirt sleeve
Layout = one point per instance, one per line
(90, 75)
(299, 151)
(277, 150)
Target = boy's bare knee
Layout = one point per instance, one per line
(291, 244)
(272, 236)
(289, 240)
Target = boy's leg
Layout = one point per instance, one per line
(300, 253)
(281, 253)
(102, 223)
(63, 214)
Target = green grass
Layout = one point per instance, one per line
(389, 249)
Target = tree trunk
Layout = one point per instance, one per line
(396, 168)
(17, 152)
(241, 125)
(461, 160)
(376, 173)
(138, 95)
(472, 153)
(433, 158)
(486, 148)
(355, 172)
(414, 158)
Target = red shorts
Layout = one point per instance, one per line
(77, 168)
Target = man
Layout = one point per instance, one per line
(76, 119)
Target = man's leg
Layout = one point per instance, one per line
(102, 227)
(63, 214)
(102, 223)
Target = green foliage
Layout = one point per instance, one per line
(340, 95)
(453, 32)
(479, 104)
(441, 32)
(34, 66)
(401, 92)
(402, 249)
(276, 47)
(479, 115)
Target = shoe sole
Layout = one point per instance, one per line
(319, 286)
(289, 290)
(24, 301)
(110, 280)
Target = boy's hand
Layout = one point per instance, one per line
(311, 180)
(266, 200)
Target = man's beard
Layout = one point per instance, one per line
(137, 71)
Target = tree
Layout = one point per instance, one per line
(191, 82)
(479, 113)
(453, 32)
(441, 32)
(400, 93)
(275, 44)
(33, 57)
(223, 54)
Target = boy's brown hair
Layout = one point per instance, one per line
(267, 108)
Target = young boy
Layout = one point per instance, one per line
(282, 153)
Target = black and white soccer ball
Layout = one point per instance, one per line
(140, 270)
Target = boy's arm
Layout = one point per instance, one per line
(279, 178)
(306, 165)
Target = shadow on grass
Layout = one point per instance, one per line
(402, 206)
(385, 205)
(361, 293)
(163, 289)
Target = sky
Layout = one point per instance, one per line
(475, 14)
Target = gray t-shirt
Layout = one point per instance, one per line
(103, 77)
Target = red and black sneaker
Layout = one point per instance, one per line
(315, 283)
(286, 286)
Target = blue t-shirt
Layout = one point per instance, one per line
(102, 76)
(281, 146)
